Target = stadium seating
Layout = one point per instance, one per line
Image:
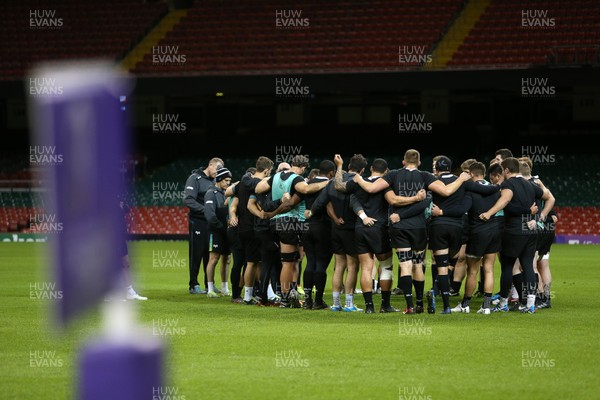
(242, 37)
(88, 29)
(157, 201)
(499, 38)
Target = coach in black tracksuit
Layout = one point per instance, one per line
(196, 187)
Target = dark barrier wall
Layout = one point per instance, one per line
(465, 112)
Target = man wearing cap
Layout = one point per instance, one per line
(196, 187)
(215, 211)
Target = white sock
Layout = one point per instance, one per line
(513, 292)
(224, 287)
(211, 286)
(503, 301)
(336, 299)
(530, 300)
(248, 293)
(270, 292)
(349, 300)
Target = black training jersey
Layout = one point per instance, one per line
(310, 199)
(479, 205)
(524, 195)
(245, 189)
(373, 204)
(407, 182)
(445, 202)
(339, 200)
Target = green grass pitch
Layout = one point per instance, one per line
(219, 350)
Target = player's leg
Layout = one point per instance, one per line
(517, 290)
(350, 282)
(308, 277)
(131, 294)
(367, 265)
(195, 256)
(473, 263)
(488, 281)
(418, 278)
(298, 273)
(224, 270)
(460, 271)
(386, 276)
(546, 279)
(238, 256)
(323, 254)
(526, 258)
(213, 259)
(405, 265)
(507, 262)
(338, 277)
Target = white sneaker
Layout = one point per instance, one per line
(132, 295)
(460, 309)
(225, 293)
(212, 294)
(485, 311)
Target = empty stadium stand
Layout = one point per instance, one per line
(517, 34)
(242, 37)
(42, 30)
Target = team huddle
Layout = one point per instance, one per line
(269, 222)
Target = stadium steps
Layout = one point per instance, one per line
(457, 33)
(144, 47)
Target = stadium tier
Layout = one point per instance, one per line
(84, 29)
(157, 199)
(267, 36)
(260, 36)
(513, 33)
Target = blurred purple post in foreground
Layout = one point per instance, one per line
(77, 115)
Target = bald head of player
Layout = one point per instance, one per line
(283, 167)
